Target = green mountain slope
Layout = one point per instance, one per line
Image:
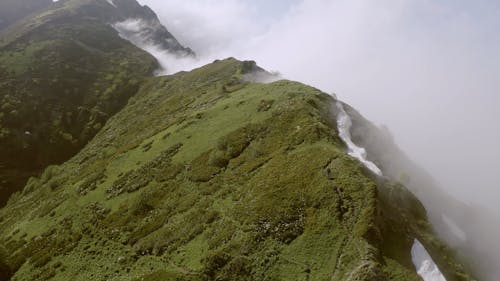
(206, 176)
(63, 73)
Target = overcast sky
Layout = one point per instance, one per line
(428, 70)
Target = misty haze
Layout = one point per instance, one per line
(249, 140)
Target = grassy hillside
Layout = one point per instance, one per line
(205, 176)
(63, 73)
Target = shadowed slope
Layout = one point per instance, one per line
(63, 73)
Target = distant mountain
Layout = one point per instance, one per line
(208, 175)
(142, 26)
(63, 73)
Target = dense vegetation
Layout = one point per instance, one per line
(207, 176)
(63, 73)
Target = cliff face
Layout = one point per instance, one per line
(63, 73)
(205, 175)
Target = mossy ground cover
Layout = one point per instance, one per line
(204, 176)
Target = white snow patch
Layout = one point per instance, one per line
(344, 124)
(426, 267)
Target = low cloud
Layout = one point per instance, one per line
(137, 31)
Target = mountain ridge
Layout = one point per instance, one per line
(258, 171)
